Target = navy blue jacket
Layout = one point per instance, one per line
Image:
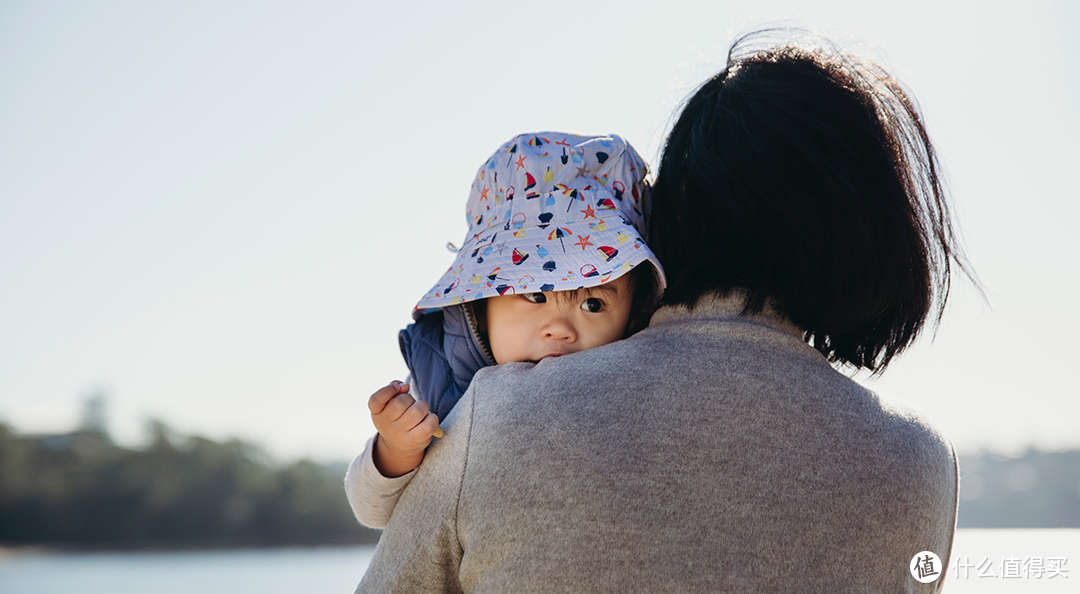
(443, 352)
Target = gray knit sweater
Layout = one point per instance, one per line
(708, 453)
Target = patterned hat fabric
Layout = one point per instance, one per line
(550, 211)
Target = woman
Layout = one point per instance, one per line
(801, 222)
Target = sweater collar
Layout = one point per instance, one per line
(725, 307)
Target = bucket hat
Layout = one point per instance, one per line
(550, 211)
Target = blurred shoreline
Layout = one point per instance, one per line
(80, 492)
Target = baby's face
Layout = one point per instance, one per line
(533, 326)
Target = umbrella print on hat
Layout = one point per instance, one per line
(538, 142)
(608, 251)
(511, 150)
(559, 233)
(571, 192)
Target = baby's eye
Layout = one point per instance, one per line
(592, 304)
(535, 297)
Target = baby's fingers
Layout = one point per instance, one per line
(428, 428)
(413, 415)
(384, 395)
(437, 431)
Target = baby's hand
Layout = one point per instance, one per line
(405, 429)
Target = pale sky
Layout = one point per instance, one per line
(219, 214)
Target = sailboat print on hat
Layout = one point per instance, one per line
(608, 251)
(605, 204)
(530, 184)
(519, 256)
(505, 289)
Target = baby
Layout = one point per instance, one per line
(550, 267)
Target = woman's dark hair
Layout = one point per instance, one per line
(644, 301)
(805, 178)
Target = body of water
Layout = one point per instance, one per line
(985, 561)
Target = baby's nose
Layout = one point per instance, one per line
(559, 328)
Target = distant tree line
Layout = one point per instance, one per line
(82, 490)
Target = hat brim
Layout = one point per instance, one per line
(511, 258)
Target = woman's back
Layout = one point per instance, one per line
(709, 452)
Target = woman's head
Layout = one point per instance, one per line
(805, 177)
